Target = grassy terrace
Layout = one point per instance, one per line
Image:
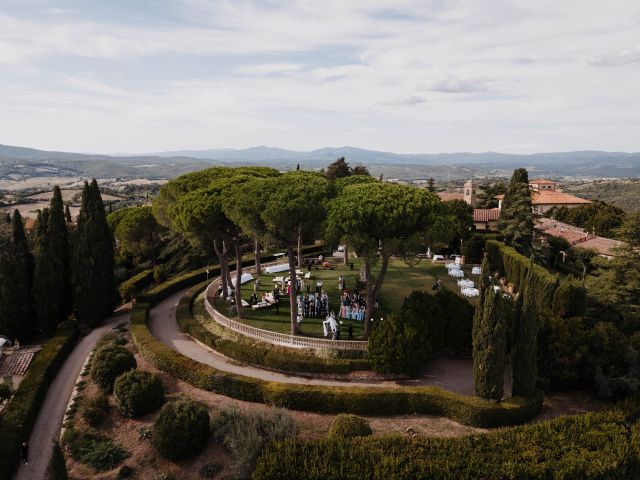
(400, 281)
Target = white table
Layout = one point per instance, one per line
(451, 265)
(466, 283)
(283, 267)
(246, 277)
(437, 257)
(278, 279)
(456, 273)
(470, 292)
(476, 271)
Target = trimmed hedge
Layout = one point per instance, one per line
(468, 410)
(135, 283)
(589, 446)
(21, 413)
(259, 353)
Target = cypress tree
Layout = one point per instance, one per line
(16, 272)
(516, 216)
(45, 302)
(93, 262)
(67, 214)
(489, 345)
(525, 339)
(59, 261)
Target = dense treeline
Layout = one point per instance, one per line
(41, 283)
(598, 217)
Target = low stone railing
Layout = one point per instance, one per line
(293, 341)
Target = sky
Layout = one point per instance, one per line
(408, 76)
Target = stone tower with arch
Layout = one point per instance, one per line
(470, 193)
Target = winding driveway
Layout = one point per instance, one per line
(49, 421)
(449, 373)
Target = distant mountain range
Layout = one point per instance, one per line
(19, 162)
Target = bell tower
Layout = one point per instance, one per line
(470, 193)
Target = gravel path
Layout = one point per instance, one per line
(49, 421)
(449, 373)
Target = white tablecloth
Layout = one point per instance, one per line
(466, 283)
(470, 292)
(451, 265)
(282, 267)
(246, 277)
(437, 257)
(476, 270)
(456, 273)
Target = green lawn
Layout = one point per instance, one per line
(400, 281)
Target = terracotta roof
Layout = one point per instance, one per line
(542, 180)
(448, 196)
(604, 246)
(486, 214)
(17, 361)
(556, 198)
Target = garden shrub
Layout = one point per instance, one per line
(94, 409)
(181, 429)
(210, 470)
(5, 392)
(95, 450)
(113, 337)
(589, 446)
(138, 393)
(20, 414)
(464, 409)
(457, 319)
(246, 433)
(108, 362)
(570, 298)
(127, 288)
(125, 471)
(347, 425)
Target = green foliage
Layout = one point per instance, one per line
(590, 446)
(246, 433)
(181, 429)
(462, 220)
(93, 260)
(136, 231)
(347, 425)
(20, 414)
(110, 361)
(489, 346)
(94, 409)
(473, 249)
(5, 392)
(598, 217)
(17, 311)
(569, 299)
(525, 339)
(57, 468)
(138, 393)
(366, 401)
(486, 196)
(96, 450)
(338, 169)
(516, 221)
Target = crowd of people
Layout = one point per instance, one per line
(313, 305)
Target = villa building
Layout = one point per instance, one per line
(544, 197)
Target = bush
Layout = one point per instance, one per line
(181, 429)
(347, 425)
(138, 393)
(20, 414)
(590, 446)
(5, 392)
(128, 288)
(94, 409)
(95, 450)
(108, 362)
(57, 468)
(112, 337)
(125, 472)
(245, 434)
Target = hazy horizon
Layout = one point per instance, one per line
(406, 76)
